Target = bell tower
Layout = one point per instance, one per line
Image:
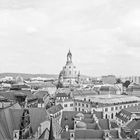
(69, 57)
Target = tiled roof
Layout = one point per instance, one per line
(7, 123)
(133, 109)
(92, 126)
(89, 134)
(98, 114)
(41, 93)
(62, 95)
(88, 120)
(104, 124)
(37, 116)
(114, 134)
(28, 93)
(113, 99)
(84, 92)
(20, 86)
(113, 124)
(11, 117)
(63, 90)
(11, 95)
(124, 115)
(68, 119)
(55, 109)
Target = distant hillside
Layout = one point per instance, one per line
(26, 76)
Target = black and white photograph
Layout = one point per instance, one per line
(69, 69)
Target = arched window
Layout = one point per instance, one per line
(106, 116)
(112, 116)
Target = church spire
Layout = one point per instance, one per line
(51, 137)
(69, 57)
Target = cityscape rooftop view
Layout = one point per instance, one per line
(69, 70)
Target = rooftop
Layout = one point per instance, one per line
(55, 109)
(112, 99)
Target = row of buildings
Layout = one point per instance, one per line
(74, 110)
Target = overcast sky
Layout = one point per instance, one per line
(103, 35)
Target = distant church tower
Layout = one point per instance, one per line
(69, 58)
(69, 75)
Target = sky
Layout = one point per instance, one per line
(103, 36)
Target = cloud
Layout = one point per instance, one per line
(102, 35)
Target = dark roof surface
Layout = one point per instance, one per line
(55, 109)
(104, 124)
(68, 119)
(11, 117)
(124, 115)
(41, 93)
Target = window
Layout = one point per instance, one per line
(75, 109)
(79, 104)
(71, 104)
(112, 116)
(106, 109)
(106, 116)
(83, 110)
(112, 108)
(86, 105)
(116, 108)
(75, 103)
(69, 66)
(65, 105)
(83, 105)
(120, 107)
(79, 109)
(69, 72)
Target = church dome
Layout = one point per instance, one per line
(19, 80)
(81, 125)
(69, 74)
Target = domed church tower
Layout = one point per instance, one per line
(69, 73)
(69, 58)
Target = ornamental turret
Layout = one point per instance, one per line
(69, 57)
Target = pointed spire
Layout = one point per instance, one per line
(69, 53)
(51, 137)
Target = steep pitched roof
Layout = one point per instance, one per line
(89, 134)
(68, 119)
(11, 117)
(55, 109)
(62, 95)
(124, 115)
(104, 124)
(41, 93)
(7, 123)
(133, 109)
(98, 114)
(37, 115)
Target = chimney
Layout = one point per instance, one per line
(137, 133)
(16, 135)
(67, 128)
(72, 135)
(106, 135)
